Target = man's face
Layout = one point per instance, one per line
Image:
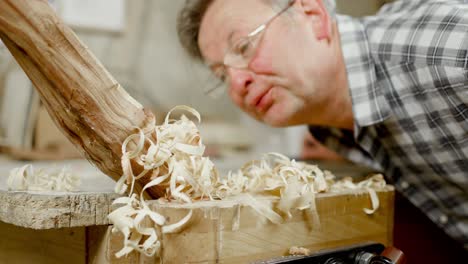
(288, 77)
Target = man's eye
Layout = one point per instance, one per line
(220, 74)
(222, 77)
(243, 47)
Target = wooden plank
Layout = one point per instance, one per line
(342, 223)
(44, 210)
(54, 211)
(24, 246)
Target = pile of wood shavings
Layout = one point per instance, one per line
(27, 179)
(175, 163)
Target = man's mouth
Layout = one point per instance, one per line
(264, 101)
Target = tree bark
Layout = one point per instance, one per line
(83, 99)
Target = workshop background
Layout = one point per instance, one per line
(137, 42)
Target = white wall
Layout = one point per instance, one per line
(150, 63)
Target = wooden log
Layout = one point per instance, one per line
(83, 99)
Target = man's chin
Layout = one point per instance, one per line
(276, 120)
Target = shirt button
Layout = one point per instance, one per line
(443, 219)
(404, 185)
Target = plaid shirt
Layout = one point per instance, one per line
(408, 78)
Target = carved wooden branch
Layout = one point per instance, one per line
(83, 99)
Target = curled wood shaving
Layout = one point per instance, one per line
(171, 154)
(129, 220)
(375, 182)
(299, 251)
(27, 179)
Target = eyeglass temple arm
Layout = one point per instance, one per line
(264, 25)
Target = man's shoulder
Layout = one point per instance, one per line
(425, 31)
(404, 7)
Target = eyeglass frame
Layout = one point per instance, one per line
(250, 39)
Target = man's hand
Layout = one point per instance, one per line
(312, 149)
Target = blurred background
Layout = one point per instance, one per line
(137, 42)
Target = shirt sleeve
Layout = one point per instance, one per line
(342, 141)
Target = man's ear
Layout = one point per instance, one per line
(320, 17)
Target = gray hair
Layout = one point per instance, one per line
(191, 15)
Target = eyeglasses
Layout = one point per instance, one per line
(240, 53)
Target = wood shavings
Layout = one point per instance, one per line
(174, 161)
(129, 220)
(299, 251)
(370, 185)
(27, 179)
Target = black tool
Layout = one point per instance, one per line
(367, 253)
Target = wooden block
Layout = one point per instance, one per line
(210, 238)
(103, 244)
(24, 246)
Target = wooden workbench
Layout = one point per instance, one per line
(52, 227)
(72, 227)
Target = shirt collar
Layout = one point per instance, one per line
(369, 103)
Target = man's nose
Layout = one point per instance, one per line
(240, 80)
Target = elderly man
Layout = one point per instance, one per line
(389, 91)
